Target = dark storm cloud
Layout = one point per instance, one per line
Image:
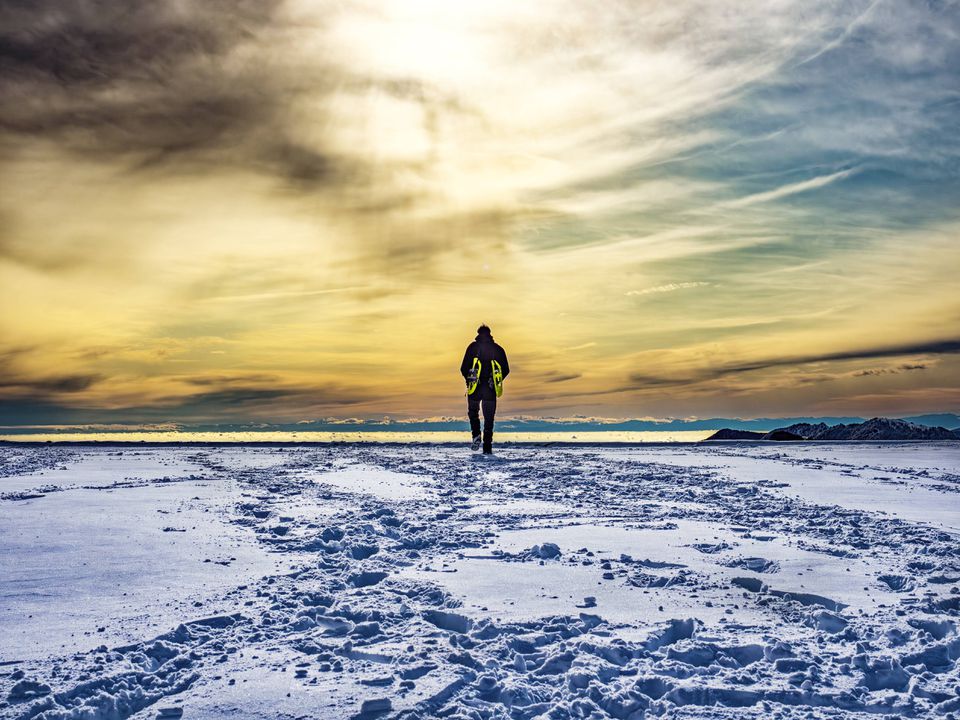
(243, 401)
(230, 380)
(931, 348)
(160, 81)
(555, 377)
(34, 411)
(38, 385)
(236, 405)
(940, 347)
(49, 401)
(239, 396)
(210, 82)
(52, 384)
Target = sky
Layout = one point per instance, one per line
(285, 210)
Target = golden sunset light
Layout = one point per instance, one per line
(284, 211)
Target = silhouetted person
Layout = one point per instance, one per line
(484, 367)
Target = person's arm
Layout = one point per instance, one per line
(467, 361)
(504, 365)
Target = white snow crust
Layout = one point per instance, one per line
(366, 581)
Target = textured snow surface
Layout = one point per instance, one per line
(415, 582)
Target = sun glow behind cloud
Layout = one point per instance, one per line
(289, 210)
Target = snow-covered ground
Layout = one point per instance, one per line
(340, 581)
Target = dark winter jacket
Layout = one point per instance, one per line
(486, 349)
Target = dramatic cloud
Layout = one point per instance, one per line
(152, 81)
(930, 348)
(282, 209)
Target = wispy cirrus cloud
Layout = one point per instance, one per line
(790, 189)
(669, 287)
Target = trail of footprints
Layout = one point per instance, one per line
(395, 647)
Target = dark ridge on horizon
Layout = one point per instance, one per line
(875, 429)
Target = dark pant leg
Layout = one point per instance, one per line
(473, 413)
(489, 410)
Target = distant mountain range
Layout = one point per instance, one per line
(756, 426)
(874, 429)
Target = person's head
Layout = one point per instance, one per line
(483, 330)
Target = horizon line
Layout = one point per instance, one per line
(517, 424)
